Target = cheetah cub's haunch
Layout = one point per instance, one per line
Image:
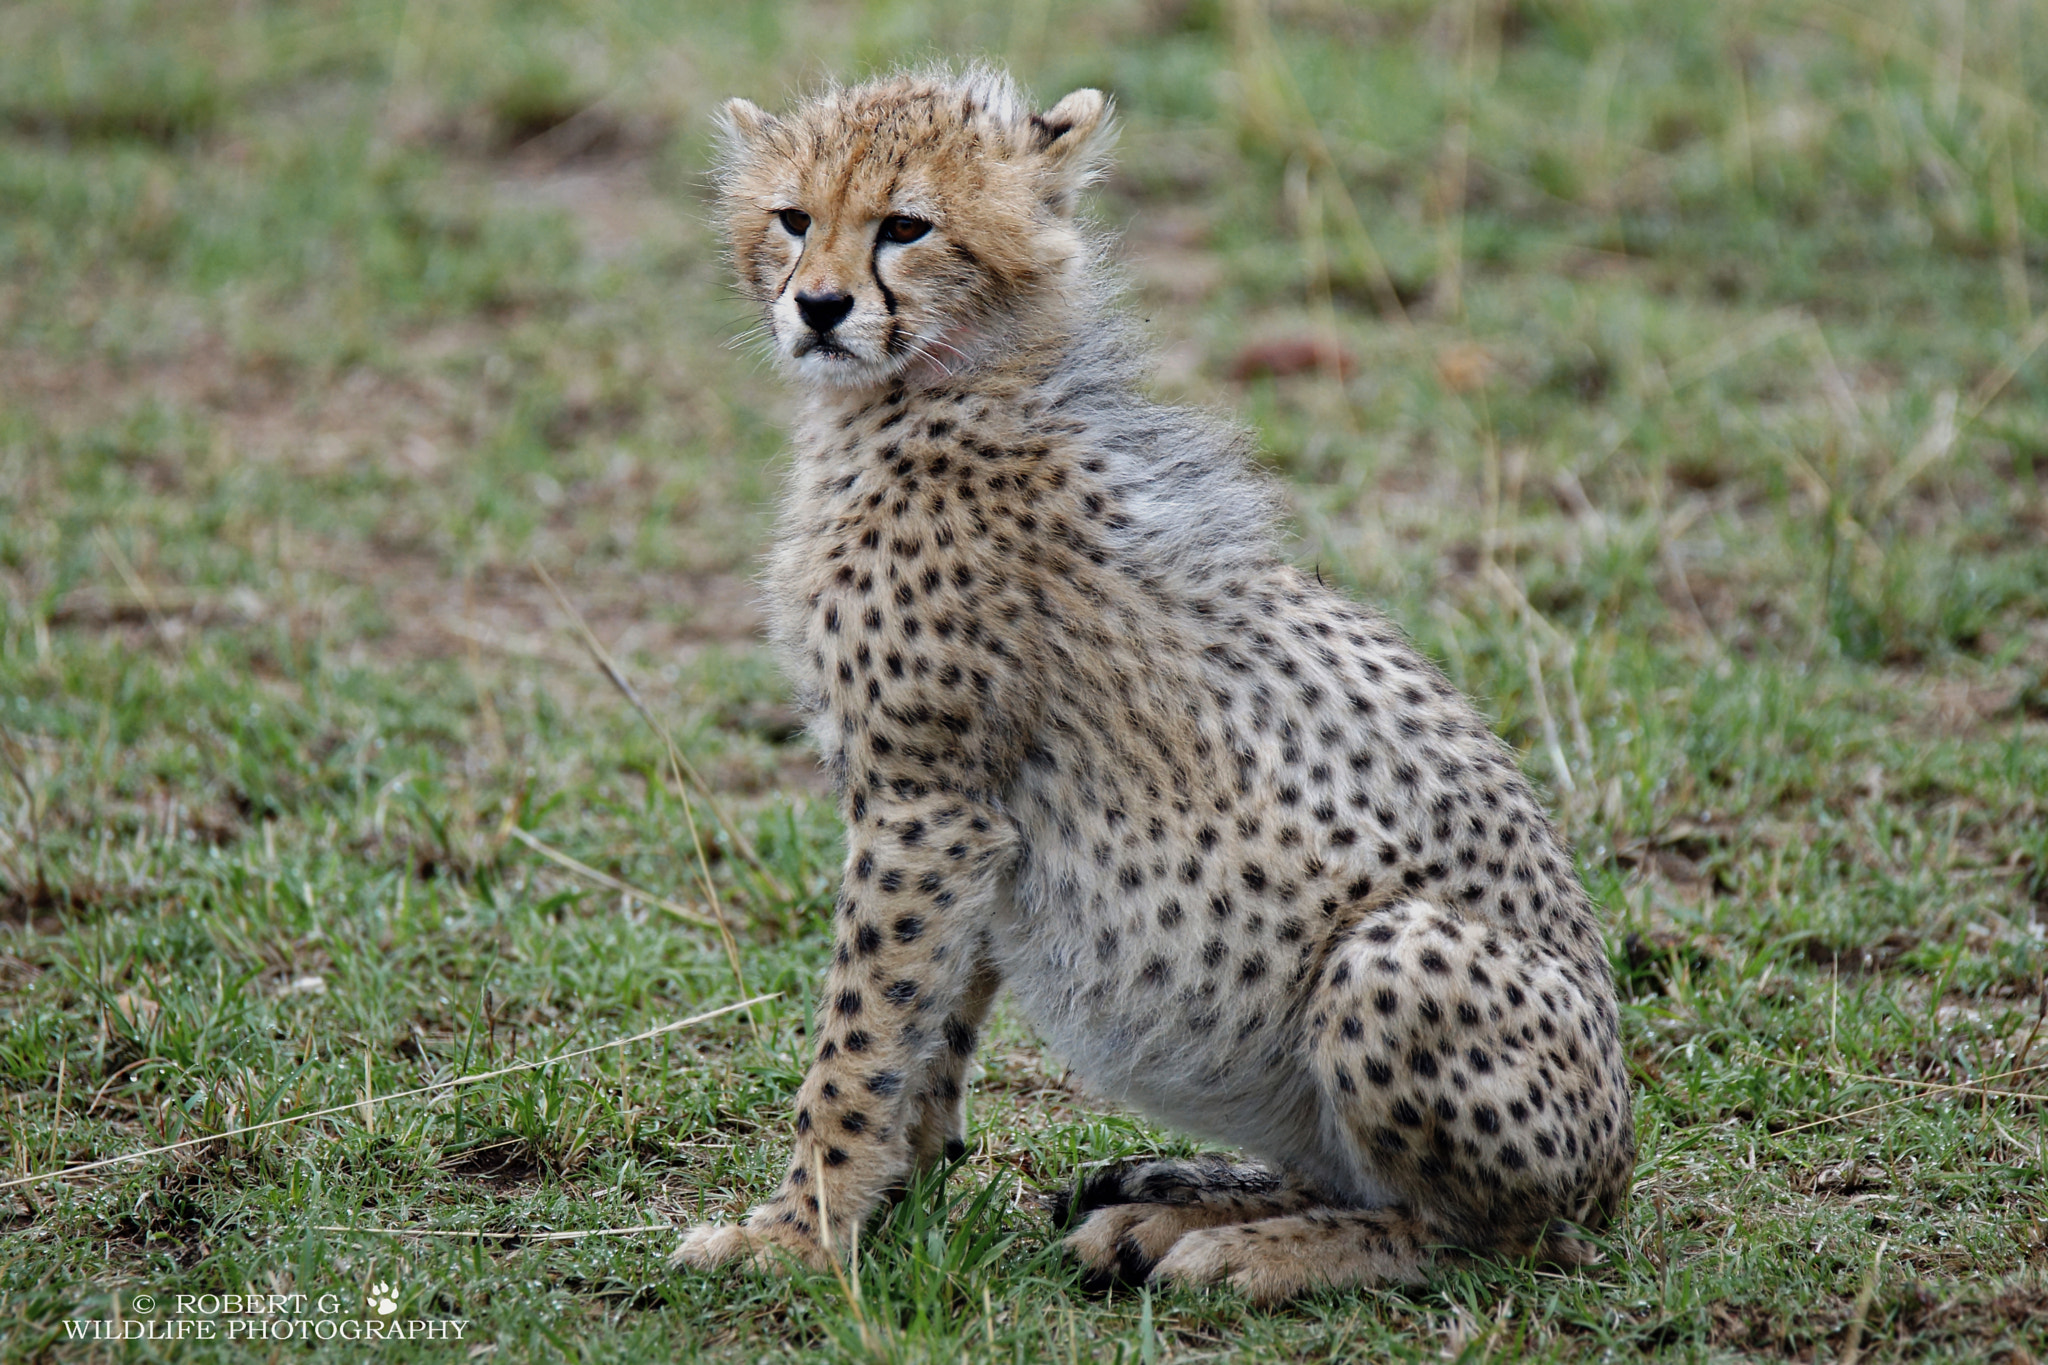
(1243, 856)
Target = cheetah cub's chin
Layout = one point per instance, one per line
(1242, 856)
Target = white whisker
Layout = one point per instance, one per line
(918, 350)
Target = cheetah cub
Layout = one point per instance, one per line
(1244, 858)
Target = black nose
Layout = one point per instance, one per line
(822, 312)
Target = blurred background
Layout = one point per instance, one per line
(1672, 369)
(332, 315)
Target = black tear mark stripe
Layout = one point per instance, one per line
(795, 266)
(875, 269)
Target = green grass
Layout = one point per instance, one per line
(1699, 424)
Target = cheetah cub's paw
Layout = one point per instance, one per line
(1239, 1257)
(757, 1244)
(1279, 1258)
(1121, 1244)
(1134, 1212)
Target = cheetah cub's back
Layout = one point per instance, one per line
(1246, 860)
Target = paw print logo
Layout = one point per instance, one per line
(383, 1299)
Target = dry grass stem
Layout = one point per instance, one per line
(678, 767)
(497, 1235)
(1922, 1089)
(677, 760)
(367, 1099)
(605, 879)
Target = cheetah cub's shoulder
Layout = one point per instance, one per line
(1244, 858)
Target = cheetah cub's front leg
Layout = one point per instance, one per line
(905, 996)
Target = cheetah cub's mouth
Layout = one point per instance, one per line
(819, 346)
(925, 360)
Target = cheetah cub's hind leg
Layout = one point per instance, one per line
(1135, 1211)
(1466, 1069)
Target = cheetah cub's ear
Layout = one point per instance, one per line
(744, 126)
(1070, 143)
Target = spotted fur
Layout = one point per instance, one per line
(1244, 858)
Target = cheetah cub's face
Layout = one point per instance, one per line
(901, 227)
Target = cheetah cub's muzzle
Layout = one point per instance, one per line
(1245, 859)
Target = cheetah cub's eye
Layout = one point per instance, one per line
(795, 222)
(901, 227)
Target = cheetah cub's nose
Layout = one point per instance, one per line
(823, 312)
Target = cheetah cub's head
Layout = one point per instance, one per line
(900, 228)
